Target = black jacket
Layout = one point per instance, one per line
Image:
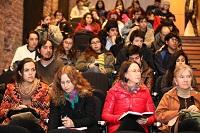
(83, 115)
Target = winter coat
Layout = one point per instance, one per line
(119, 101)
(169, 105)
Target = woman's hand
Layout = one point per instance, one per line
(67, 122)
(142, 121)
(193, 108)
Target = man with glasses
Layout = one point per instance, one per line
(163, 56)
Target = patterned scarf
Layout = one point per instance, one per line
(72, 97)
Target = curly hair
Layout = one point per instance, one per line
(83, 20)
(80, 84)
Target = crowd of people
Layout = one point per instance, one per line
(139, 51)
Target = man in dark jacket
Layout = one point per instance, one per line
(136, 38)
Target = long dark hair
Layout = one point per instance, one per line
(83, 20)
(61, 51)
(20, 68)
(170, 74)
(97, 7)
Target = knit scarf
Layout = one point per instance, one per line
(72, 97)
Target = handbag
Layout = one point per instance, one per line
(184, 116)
(24, 114)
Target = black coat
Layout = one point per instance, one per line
(83, 115)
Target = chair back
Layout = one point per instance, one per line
(81, 40)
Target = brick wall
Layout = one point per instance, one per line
(11, 28)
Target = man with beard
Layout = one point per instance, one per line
(47, 66)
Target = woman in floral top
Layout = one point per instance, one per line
(26, 91)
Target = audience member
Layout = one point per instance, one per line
(119, 7)
(97, 18)
(27, 91)
(111, 38)
(147, 73)
(136, 38)
(169, 23)
(178, 58)
(113, 15)
(96, 58)
(62, 23)
(100, 7)
(181, 98)
(153, 8)
(66, 51)
(159, 41)
(127, 94)
(48, 65)
(135, 5)
(134, 15)
(87, 3)
(147, 32)
(153, 19)
(79, 10)
(88, 24)
(164, 12)
(72, 103)
(47, 30)
(28, 50)
(163, 56)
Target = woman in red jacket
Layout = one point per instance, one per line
(88, 24)
(128, 94)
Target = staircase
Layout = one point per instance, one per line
(191, 46)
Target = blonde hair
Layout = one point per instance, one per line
(180, 68)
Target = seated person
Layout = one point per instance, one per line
(111, 38)
(134, 54)
(137, 39)
(128, 94)
(66, 51)
(72, 104)
(163, 56)
(88, 24)
(79, 10)
(62, 23)
(28, 50)
(147, 32)
(27, 91)
(96, 58)
(47, 30)
(177, 59)
(181, 97)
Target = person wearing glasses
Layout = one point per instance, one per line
(96, 58)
